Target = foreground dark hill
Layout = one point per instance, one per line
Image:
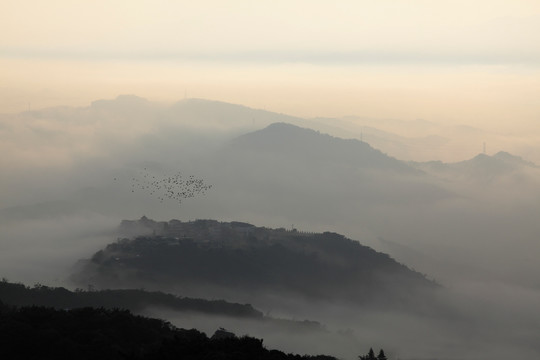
(89, 333)
(142, 302)
(135, 300)
(241, 257)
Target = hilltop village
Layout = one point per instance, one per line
(224, 257)
(210, 231)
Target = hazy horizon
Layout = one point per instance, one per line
(451, 62)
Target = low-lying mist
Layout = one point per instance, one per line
(473, 321)
(44, 250)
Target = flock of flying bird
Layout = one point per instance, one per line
(173, 187)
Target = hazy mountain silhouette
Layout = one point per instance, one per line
(303, 144)
(482, 167)
(220, 116)
(299, 174)
(123, 103)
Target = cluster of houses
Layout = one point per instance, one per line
(203, 230)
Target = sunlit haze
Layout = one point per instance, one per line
(474, 63)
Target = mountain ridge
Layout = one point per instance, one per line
(295, 140)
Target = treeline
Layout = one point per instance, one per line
(37, 332)
(371, 355)
(131, 299)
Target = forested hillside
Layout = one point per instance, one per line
(135, 300)
(242, 256)
(88, 333)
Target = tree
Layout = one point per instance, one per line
(370, 355)
(381, 355)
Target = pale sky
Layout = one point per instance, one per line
(472, 62)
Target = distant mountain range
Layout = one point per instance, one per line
(269, 168)
(313, 148)
(480, 167)
(289, 170)
(264, 168)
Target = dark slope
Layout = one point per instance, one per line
(88, 333)
(130, 299)
(241, 256)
